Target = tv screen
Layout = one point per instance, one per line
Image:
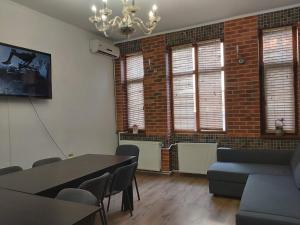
(24, 72)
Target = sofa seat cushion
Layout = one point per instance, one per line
(271, 196)
(238, 172)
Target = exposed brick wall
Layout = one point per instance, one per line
(242, 81)
(279, 18)
(194, 35)
(242, 86)
(155, 86)
(130, 47)
(165, 160)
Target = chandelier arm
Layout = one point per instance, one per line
(99, 27)
(146, 29)
(126, 22)
(113, 22)
(103, 28)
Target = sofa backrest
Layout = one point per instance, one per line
(281, 157)
(295, 164)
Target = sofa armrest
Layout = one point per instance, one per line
(281, 157)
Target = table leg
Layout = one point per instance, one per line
(124, 200)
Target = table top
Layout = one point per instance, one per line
(19, 208)
(43, 178)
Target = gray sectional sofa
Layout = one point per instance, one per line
(267, 181)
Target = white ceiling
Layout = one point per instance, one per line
(176, 14)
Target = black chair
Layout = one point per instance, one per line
(130, 150)
(11, 169)
(46, 161)
(79, 196)
(98, 187)
(120, 182)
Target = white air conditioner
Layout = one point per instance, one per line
(102, 47)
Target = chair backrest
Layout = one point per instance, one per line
(46, 161)
(11, 169)
(97, 186)
(128, 150)
(77, 195)
(122, 177)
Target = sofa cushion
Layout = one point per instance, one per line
(250, 218)
(295, 164)
(278, 157)
(238, 172)
(271, 195)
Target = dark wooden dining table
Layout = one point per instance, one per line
(48, 180)
(18, 208)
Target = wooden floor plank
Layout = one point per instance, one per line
(174, 200)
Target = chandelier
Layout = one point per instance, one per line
(126, 23)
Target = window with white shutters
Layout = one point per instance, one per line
(211, 86)
(184, 103)
(279, 78)
(198, 75)
(135, 91)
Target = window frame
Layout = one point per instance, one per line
(263, 122)
(126, 82)
(172, 87)
(222, 69)
(197, 97)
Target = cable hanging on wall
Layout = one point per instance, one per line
(46, 129)
(9, 132)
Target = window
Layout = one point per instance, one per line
(211, 86)
(198, 87)
(135, 91)
(184, 105)
(278, 67)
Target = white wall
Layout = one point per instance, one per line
(81, 115)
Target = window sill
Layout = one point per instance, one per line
(130, 131)
(198, 132)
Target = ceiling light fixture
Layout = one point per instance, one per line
(127, 22)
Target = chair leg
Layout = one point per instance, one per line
(104, 214)
(101, 217)
(137, 188)
(129, 203)
(122, 206)
(108, 204)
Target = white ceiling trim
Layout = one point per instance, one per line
(213, 22)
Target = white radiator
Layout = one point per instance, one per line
(195, 158)
(150, 154)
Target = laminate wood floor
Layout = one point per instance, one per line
(174, 200)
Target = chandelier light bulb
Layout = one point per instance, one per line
(154, 8)
(94, 8)
(105, 3)
(151, 14)
(104, 17)
(127, 22)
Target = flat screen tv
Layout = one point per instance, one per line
(24, 72)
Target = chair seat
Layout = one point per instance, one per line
(112, 193)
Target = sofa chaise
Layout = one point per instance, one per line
(267, 181)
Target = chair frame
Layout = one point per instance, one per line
(137, 159)
(102, 212)
(125, 191)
